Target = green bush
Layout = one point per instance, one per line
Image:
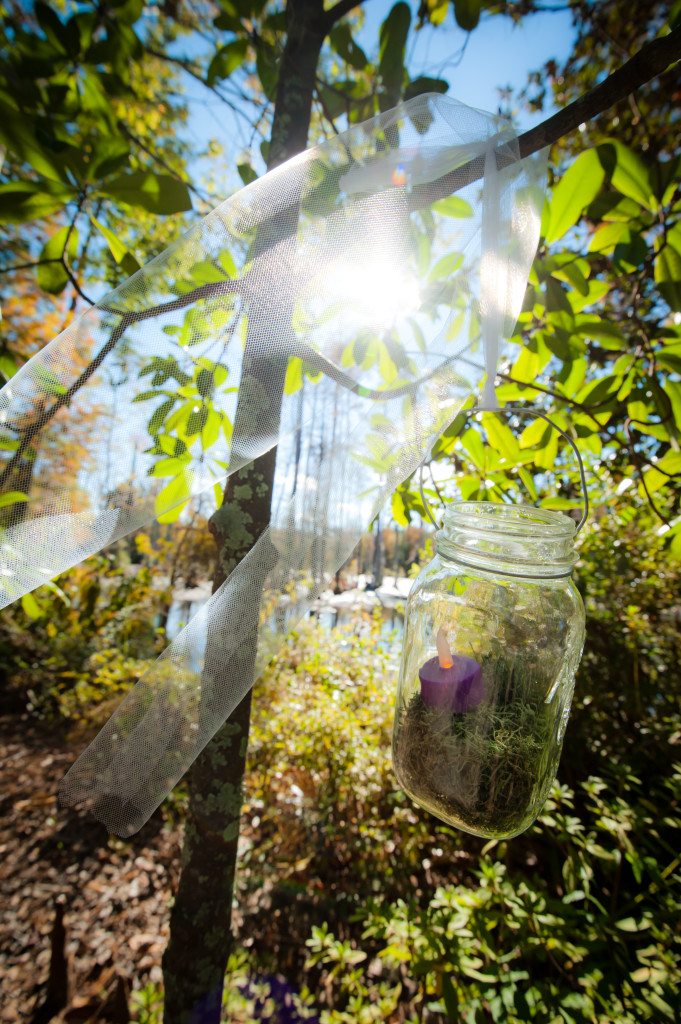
(82, 640)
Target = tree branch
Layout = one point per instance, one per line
(34, 428)
(652, 60)
(338, 11)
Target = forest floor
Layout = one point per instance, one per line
(114, 894)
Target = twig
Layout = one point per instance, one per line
(637, 462)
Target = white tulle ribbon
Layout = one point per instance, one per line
(348, 278)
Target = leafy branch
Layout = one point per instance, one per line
(651, 61)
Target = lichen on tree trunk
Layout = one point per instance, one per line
(200, 927)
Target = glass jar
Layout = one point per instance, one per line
(494, 632)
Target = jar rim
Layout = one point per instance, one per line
(517, 520)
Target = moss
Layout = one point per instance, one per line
(487, 770)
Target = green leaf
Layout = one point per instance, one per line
(528, 480)
(453, 206)
(556, 297)
(345, 46)
(26, 200)
(597, 290)
(672, 390)
(159, 416)
(573, 275)
(177, 491)
(630, 924)
(31, 606)
(608, 236)
(227, 60)
(156, 193)
(575, 190)
(12, 498)
(267, 66)
(18, 135)
(606, 334)
(501, 438)
(537, 433)
(471, 442)
(627, 172)
(422, 84)
(597, 391)
(246, 173)
(7, 366)
(398, 510)
(533, 357)
(467, 13)
(118, 250)
(451, 1000)
(393, 42)
(446, 266)
(64, 37)
(169, 467)
(668, 276)
(294, 376)
(48, 381)
(52, 277)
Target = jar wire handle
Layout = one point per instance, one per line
(526, 410)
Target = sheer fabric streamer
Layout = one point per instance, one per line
(342, 308)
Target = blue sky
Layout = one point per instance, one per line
(498, 53)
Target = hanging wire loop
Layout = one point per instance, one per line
(524, 410)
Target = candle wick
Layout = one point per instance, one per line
(444, 653)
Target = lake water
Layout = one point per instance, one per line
(393, 619)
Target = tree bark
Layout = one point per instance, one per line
(200, 928)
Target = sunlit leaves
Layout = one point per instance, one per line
(171, 499)
(627, 172)
(576, 189)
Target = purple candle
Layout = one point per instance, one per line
(451, 680)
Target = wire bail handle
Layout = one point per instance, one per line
(535, 414)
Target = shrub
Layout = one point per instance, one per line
(82, 640)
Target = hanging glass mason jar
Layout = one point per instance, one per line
(494, 632)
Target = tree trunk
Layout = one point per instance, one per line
(200, 926)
